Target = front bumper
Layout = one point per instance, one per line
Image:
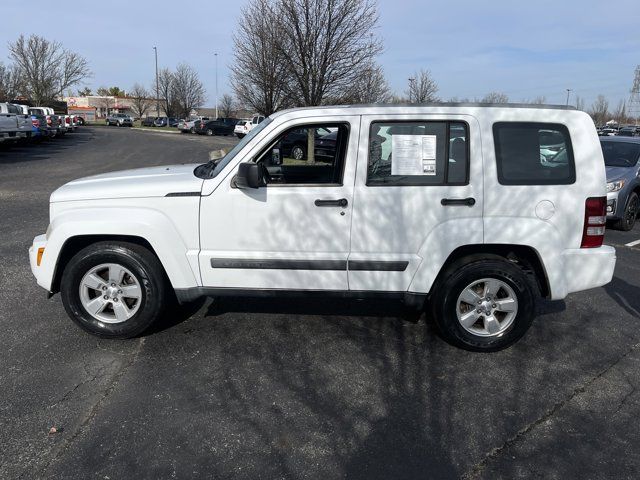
(586, 268)
(42, 274)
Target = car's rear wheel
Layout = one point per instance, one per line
(114, 290)
(484, 305)
(630, 215)
(209, 132)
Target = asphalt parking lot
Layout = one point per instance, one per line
(298, 389)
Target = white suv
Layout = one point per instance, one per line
(449, 206)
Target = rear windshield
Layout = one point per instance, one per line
(620, 154)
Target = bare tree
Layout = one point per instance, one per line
(47, 68)
(370, 87)
(495, 97)
(539, 100)
(600, 110)
(227, 105)
(106, 101)
(85, 92)
(188, 90)
(422, 88)
(259, 74)
(166, 93)
(580, 105)
(620, 113)
(140, 100)
(9, 83)
(325, 45)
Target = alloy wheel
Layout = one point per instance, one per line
(110, 293)
(487, 307)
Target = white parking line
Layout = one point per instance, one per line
(632, 244)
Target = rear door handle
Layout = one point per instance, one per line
(469, 202)
(342, 202)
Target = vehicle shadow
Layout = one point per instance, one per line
(39, 150)
(625, 295)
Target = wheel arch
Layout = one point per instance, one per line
(76, 243)
(524, 256)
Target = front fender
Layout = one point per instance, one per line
(146, 223)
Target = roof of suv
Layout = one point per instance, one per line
(418, 106)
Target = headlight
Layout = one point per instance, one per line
(615, 186)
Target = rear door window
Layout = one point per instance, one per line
(533, 154)
(418, 153)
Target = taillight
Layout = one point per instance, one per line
(595, 217)
(67, 120)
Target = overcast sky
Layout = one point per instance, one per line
(522, 48)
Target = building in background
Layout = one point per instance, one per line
(104, 106)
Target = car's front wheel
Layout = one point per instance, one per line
(484, 305)
(114, 290)
(630, 215)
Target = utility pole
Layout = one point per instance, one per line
(157, 85)
(216, 55)
(568, 92)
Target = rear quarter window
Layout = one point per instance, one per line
(533, 154)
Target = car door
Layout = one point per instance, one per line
(417, 196)
(294, 232)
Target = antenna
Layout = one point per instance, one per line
(634, 99)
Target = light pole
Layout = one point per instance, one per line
(157, 85)
(216, 55)
(568, 92)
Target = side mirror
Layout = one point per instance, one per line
(275, 157)
(250, 175)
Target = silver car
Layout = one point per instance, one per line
(621, 158)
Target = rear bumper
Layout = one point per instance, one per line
(586, 268)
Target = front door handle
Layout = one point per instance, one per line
(342, 202)
(469, 202)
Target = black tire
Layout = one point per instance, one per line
(240, 135)
(192, 130)
(298, 152)
(156, 291)
(447, 290)
(630, 214)
(210, 132)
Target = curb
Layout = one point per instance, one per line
(167, 132)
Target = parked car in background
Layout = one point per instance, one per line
(189, 125)
(24, 119)
(119, 120)
(475, 241)
(162, 122)
(245, 128)
(629, 131)
(220, 126)
(609, 132)
(54, 122)
(242, 128)
(622, 161)
(148, 121)
(9, 128)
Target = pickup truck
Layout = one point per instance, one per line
(53, 121)
(460, 216)
(12, 123)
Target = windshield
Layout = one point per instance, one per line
(620, 154)
(214, 167)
